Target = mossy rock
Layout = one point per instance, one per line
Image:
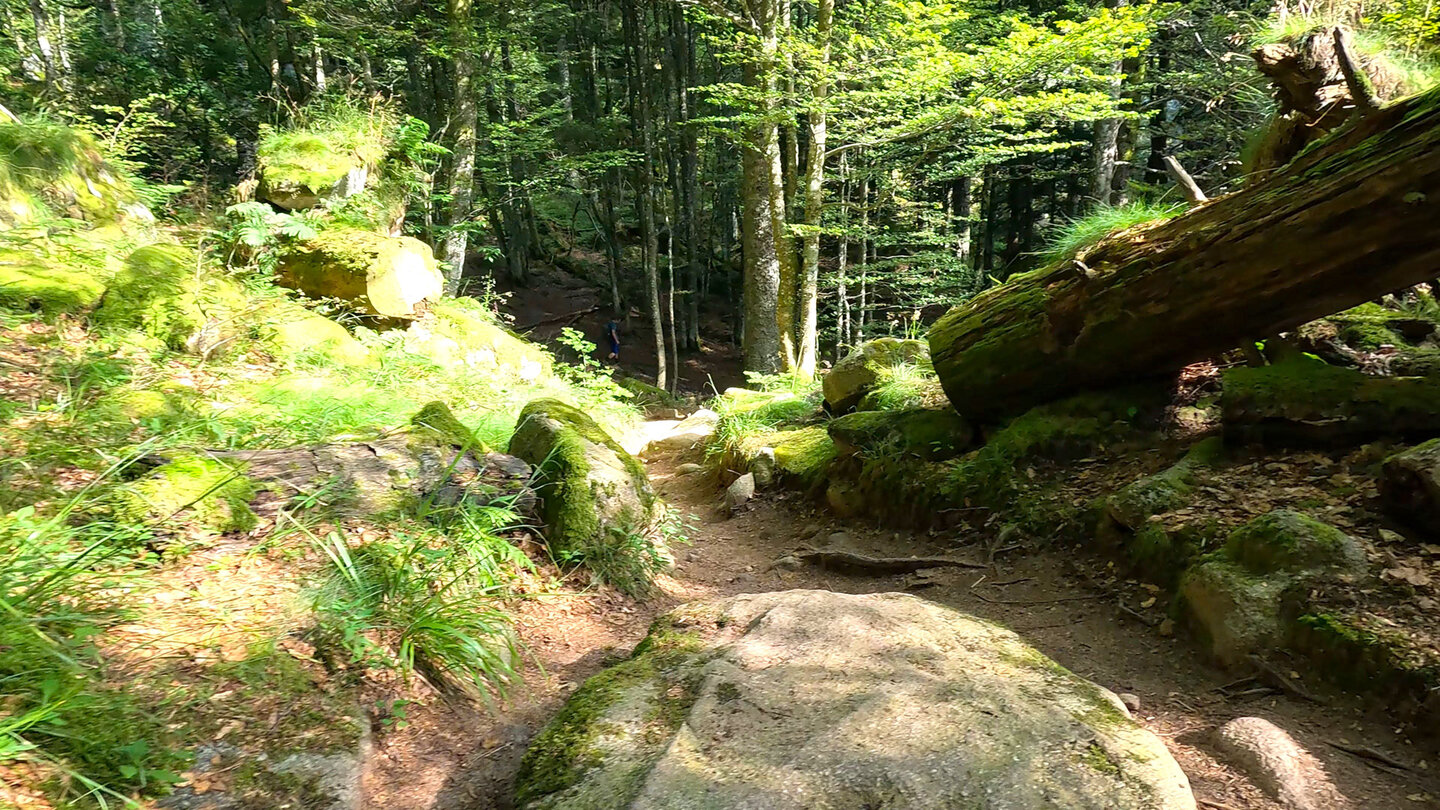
(47, 287)
(290, 332)
(1304, 401)
(595, 499)
(161, 292)
(1370, 327)
(438, 422)
(139, 405)
(915, 694)
(461, 333)
(299, 169)
(858, 373)
(189, 490)
(649, 397)
(1132, 515)
(388, 276)
(1366, 655)
(802, 455)
(933, 435)
(1421, 362)
(1237, 597)
(1410, 485)
(50, 170)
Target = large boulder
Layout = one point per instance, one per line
(934, 435)
(1410, 485)
(1304, 401)
(379, 275)
(162, 292)
(291, 332)
(460, 332)
(813, 699)
(856, 375)
(300, 168)
(1236, 597)
(595, 499)
(50, 170)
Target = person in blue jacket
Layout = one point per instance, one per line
(612, 334)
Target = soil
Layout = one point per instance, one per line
(1065, 602)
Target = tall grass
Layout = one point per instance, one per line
(59, 589)
(908, 385)
(427, 599)
(1085, 231)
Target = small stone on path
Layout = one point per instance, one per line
(1278, 765)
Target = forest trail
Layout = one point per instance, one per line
(1063, 601)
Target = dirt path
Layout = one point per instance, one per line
(1063, 601)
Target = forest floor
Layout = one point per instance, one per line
(1065, 602)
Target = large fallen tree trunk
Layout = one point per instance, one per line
(1350, 219)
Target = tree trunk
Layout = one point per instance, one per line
(1349, 220)
(762, 206)
(814, 194)
(462, 126)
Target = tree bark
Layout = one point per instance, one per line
(1349, 220)
(762, 204)
(463, 124)
(814, 193)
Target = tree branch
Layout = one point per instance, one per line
(1361, 88)
(1183, 179)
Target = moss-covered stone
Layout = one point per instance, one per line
(1421, 362)
(934, 435)
(1236, 597)
(139, 405)
(804, 454)
(50, 170)
(60, 268)
(300, 167)
(1302, 400)
(379, 275)
(192, 490)
(436, 421)
(460, 332)
(1368, 656)
(49, 288)
(649, 396)
(163, 292)
(857, 374)
(595, 499)
(290, 332)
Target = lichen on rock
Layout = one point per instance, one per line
(920, 707)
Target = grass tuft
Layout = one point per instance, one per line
(1074, 236)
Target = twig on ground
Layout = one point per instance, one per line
(1278, 680)
(1370, 756)
(848, 562)
(983, 598)
(1137, 615)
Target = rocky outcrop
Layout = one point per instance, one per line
(162, 292)
(459, 332)
(1236, 597)
(290, 332)
(378, 275)
(595, 498)
(858, 373)
(809, 699)
(1133, 516)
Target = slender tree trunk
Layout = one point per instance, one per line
(814, 192)
(842, 250)
(463, 122)
(645, 181)
(762, 209)
(45, 44)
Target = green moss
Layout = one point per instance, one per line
(464, 333)
(163, 292)
(290, 332)
(1286, 540)
(565, 749)
(861, 371)
(438, 422)
(933, 435)
(1374, 659)
(617, 547)
(1423, 362)
(804, 454)
(1095, 757)
(139, 405)
(50, 166)
(49, 288)
(189, 489)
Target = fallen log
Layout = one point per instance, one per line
(1352, 218)
(850, 563)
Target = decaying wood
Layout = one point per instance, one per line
(850, 563)
(1362, 90)
(1348, 221)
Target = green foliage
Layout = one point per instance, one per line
(329, 137)
(1081, 233)
(426, 600)
(58, 589)
(908, 385)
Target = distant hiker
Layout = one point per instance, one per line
(612, 334)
